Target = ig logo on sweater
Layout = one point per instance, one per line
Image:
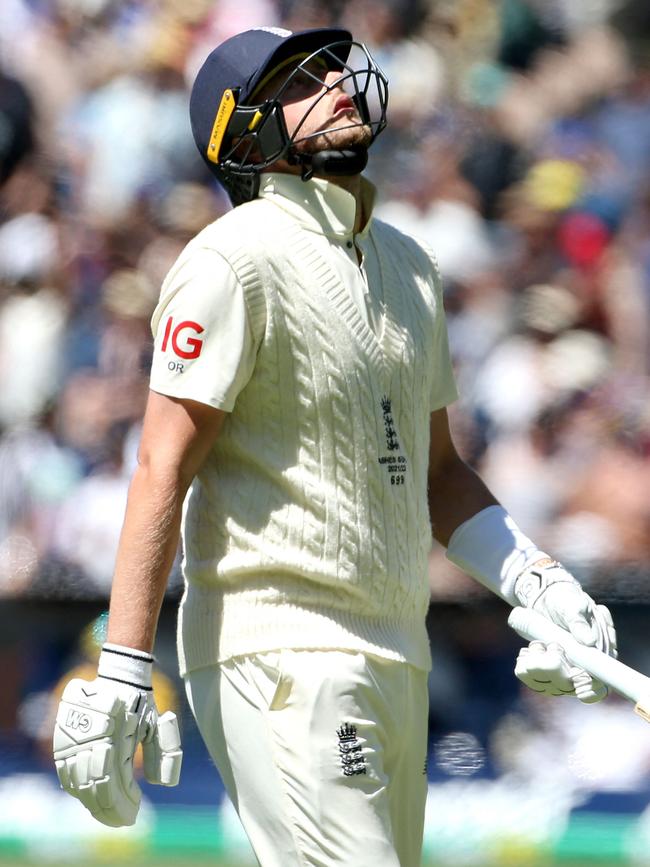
(183, 344)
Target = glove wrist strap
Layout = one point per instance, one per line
(534, 581)
(126, 665)
(492, 549)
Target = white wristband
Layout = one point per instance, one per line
(126, 665)
(492, 549)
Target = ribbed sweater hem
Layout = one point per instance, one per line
(215, 626)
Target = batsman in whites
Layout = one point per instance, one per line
(296, 435)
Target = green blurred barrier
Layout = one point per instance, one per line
(191, 836)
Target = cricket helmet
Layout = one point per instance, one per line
(239, 135)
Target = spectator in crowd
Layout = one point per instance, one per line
(16, 119)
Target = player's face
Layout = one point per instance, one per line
(333, 121)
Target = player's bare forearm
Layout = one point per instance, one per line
(455, 491)
(146, 553)
(455, 495)
(176, 438)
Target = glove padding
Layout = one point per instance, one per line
(546, 669)
(547, 587)
(98, 727)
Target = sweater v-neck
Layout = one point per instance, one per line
(382, 349)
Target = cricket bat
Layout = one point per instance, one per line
(629, 683)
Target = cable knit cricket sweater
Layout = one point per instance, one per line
(308, 525)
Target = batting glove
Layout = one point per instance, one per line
(98, 727)
(545, 669)
(547, 587)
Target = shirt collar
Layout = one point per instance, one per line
(319, 205)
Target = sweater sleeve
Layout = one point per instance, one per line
(204, 348)
(443, 385)
(444, 389)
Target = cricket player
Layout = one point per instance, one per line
(296, 430)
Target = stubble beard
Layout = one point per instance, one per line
(341, 137)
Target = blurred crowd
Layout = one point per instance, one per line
(518, 147)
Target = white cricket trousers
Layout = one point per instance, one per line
(322, 754)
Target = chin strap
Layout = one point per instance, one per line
(335, 162)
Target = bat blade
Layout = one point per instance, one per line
(629, 683)
(642, 707)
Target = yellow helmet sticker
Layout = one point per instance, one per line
(224, 113)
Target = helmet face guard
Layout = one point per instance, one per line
(249, 138)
